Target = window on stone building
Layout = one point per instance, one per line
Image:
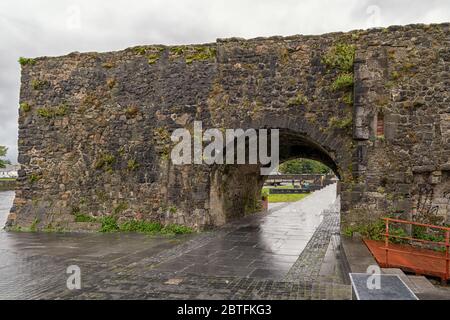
(380, 124)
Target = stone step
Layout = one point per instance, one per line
(356, 257)
(418, 284)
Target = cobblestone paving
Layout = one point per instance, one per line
(310, 262)
(254, 258)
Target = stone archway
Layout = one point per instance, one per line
(235, 190)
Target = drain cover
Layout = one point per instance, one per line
(391, 287)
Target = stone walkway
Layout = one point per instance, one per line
(279, 255)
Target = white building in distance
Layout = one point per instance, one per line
(10, 171)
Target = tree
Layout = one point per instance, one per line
(302, 166)
(3, 151)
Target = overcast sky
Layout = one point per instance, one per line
(57, 27)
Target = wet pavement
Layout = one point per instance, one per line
(284, 254)
(6, 201)
(263, 246)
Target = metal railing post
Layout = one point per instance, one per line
(447, 262)
(399, 250)
(386, 241)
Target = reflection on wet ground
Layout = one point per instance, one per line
(265, 246)
(6, 201)
(260, 247)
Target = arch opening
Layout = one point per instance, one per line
(236, 189)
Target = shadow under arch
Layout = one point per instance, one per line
(235, 189)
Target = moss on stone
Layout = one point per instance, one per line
(347, 98)
(178, 50)
(395, 75)
(38, 84)
(172, 209)
(105, 162)
(201, 54)
(49, 112)
(34, 177)
(25, 107)
(107, 65)
(132, 165)
(81, 217)
(131, 112)
(34, 224)
(44, 112)
(121, 207)
(299, 99)
(91, 100)
(111, 82)
(151, 59)
(343, 81)
(345, 123)
(140, 50)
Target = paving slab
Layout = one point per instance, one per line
(246, 259)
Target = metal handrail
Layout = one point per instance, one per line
(446, 243)
(417, 223)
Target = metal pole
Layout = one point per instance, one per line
(386, 242)
(447, 244)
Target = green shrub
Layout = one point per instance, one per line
(26, 61)
(109, 224)
(81, 217)
(176, 229)
(376, 231)
(341, 57)
(141, 226)
(420, 232)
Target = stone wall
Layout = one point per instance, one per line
(94, 128)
